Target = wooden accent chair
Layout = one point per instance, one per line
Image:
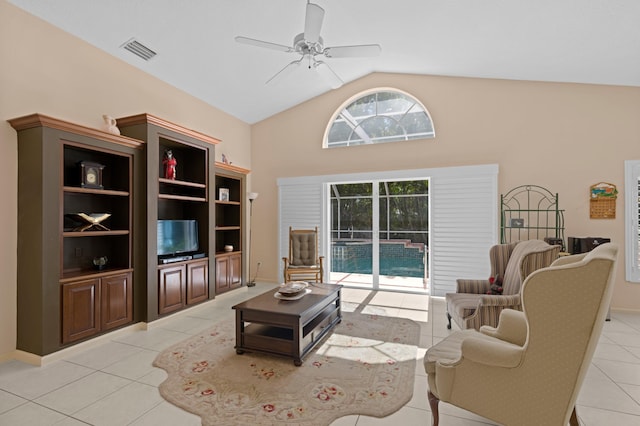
(529, 370)
(472, 307)
(303, 261)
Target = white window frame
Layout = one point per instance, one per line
(358, 130)
(632, 216)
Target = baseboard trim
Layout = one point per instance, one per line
(42, 360)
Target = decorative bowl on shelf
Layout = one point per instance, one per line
(293, 288)
(228, 247)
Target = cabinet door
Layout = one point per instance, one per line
(115, 300)
(197, 282)
(172, 288)
(235, 270)
(222, 274)
(80, 309)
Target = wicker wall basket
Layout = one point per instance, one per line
(603, 201)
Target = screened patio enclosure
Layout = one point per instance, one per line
(380, 234)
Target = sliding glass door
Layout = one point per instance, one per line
(403, 234)
(379, 234)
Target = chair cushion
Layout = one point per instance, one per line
(303, 249)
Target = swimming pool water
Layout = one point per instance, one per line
(392, 266)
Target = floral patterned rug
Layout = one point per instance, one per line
(366, 366)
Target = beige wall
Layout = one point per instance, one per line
(561, 136)
(45, 70)
(564, 137)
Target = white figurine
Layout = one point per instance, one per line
(110, 125)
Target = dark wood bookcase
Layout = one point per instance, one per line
(173, 286)
(230, 226)
(63, 297)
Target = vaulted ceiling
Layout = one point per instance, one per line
(580, 41)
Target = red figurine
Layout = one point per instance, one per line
(169, 165)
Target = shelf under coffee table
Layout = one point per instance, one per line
(289, 328)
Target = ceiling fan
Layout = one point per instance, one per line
(309, 45)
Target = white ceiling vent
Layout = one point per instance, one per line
(139, 49)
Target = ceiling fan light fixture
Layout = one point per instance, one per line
(306, 47)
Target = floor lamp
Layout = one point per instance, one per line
(252, 196)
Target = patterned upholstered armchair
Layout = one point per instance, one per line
(529, 370)
(304, 262)
(472, 307)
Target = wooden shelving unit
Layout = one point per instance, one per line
(229, 227)
(62, 297)
(174, 286)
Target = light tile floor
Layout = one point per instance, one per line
(114, 382)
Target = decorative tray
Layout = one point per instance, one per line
(292, 288)
(297, 296)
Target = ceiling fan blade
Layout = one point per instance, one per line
(284, 72)
(265, 44)
(357, 51)
(313, 23)
(328, 75)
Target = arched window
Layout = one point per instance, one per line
(379, 116)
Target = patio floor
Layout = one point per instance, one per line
(356, 280)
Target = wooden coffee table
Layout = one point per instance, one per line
(289, 328)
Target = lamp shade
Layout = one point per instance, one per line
(252, 195)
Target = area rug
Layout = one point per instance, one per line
(366, 366)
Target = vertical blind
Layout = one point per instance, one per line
(463, 217)
(300, 206)
(464, 220)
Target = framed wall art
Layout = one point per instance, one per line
(223, 194)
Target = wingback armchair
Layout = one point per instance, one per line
(529, 370)
(472, 307)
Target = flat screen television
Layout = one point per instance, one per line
(177, 236)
